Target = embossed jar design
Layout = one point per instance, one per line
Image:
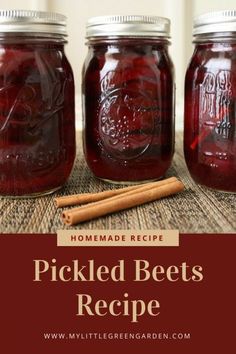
(37, 129)
(210, 102)
(128, 98)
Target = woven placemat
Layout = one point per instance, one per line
(196, 210)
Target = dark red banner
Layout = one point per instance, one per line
(42, 285)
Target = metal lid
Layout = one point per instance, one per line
(18, 21)
(215, 22)
(128, 25)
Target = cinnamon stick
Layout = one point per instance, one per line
(124, 201)
(84, 198)
(141, 188)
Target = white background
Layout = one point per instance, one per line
(181, 13)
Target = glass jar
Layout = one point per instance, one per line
(128, 98)
(210, 102)
(37, 119)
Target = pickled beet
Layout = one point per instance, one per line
(210, 115)
(128, 104)
(37, 132)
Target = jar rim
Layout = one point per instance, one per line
(128, 26)
(215, 22)
(31, 21)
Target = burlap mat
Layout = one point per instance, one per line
(196, 210)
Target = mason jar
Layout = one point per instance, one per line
(37, 119)
(210, 102)
(128, 98)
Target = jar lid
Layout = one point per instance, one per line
(128, 25)
(18, 21)
(215, 22)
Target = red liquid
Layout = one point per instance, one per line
(37, 133)
(128, 108)
(210, 116)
